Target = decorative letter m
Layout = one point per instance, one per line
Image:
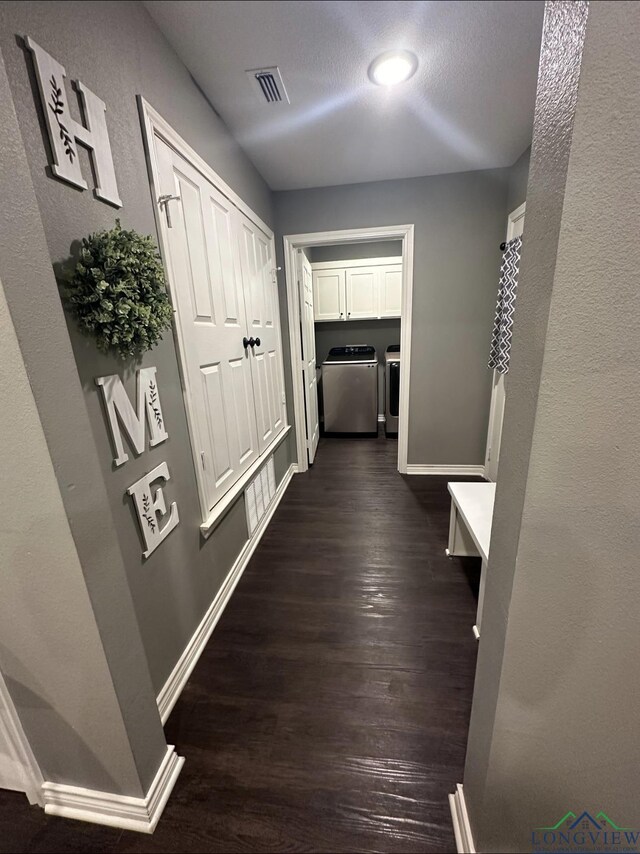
(121, 412)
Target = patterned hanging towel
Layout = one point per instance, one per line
(500, 351)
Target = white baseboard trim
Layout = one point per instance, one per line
(141, 814)
(460, 819)
(457, 471)
(172, 688)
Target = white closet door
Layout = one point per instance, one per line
(261, 301)
(362, 292)
(390, 290)
(309, 374)
(206, 287)
(328, 294)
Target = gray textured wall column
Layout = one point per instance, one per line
(70, 646)
(552, 726)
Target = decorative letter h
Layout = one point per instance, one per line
(64, 131)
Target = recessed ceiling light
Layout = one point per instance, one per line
(393, 66)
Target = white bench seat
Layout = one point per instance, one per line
(470, 528)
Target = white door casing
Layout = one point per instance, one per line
(305, 288)
(292, 242)
(211, 324)
(262, 313)
(168, 207)
(329, 295)
(362, 292)
(19, 770)
(515, 226)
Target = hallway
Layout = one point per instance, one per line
(330, 709)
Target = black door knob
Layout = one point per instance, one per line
(248, 342)
(257, 341)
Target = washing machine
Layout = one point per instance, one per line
(392, 387)
(350, 389)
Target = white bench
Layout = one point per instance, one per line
(470, 528)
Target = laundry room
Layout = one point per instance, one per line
(350, 301)
(368, 322)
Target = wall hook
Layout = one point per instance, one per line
(163, 202)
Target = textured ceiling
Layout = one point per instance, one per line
(469, 106)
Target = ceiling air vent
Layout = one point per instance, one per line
(268, 86)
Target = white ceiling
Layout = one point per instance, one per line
(469, 106)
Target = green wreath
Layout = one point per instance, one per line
(117, 292)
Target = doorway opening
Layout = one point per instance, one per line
(342, 298)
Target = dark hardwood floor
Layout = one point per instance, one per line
(330, 709)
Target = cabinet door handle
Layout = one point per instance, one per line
(257, 341)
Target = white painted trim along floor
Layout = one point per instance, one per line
(452, 470)
(141, 814)
(460, 819)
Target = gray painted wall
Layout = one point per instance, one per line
(563, 591)
(378, 333)
(70, 646)
(518, 176)
(353, 251)
(460, 223)
(118, 52)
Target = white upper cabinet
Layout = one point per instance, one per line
(357, 290)
(328, 294)
(362, 292)
(390, 290)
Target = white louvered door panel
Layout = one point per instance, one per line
(207, 291)
(259, 494)
(262, 310)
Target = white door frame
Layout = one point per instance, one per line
(514, 218)
(308, 338)
(292, 242)
(17, 762)
(153, 124)
(496, 410)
